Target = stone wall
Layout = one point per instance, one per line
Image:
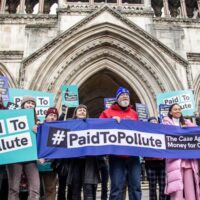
(28, 44)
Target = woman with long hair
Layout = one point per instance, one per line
(83, 172)
(182, 181)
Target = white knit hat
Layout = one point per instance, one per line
(27, 98)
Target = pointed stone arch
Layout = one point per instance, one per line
(81, 55)
(5, 72)
(102, 84)
(103, 36)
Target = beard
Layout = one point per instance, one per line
(124, 103)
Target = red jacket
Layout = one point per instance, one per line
(115, 110)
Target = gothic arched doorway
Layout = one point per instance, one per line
(102, 85)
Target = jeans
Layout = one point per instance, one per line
(120, 168)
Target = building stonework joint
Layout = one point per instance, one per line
(193, 57)
(11, 55)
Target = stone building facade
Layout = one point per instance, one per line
(148, 46)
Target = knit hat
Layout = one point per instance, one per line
(52, 110)
(120, 91)
(27, 98)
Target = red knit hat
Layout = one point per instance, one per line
(52, 110)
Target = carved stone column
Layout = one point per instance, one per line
(173, 7)
(41, 7)
(22, 7)
(198, 4)
(91, 2)
(12, 5)
(183, 8)
(166, 8)
(29, 6)
(47, 7)
(147, 4)
(119, 2)
(3, 6)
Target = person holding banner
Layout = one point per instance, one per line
(123, 166)
(3, 175)
(30, 168)
(61, 166)
(155, 168)
(47, 175)
(83, 172)
(182, 178)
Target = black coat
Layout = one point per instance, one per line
(88, 167)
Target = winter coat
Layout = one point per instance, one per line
(115, 110)
(91, 170)
(174, 179)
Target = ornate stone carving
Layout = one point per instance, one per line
(178, 21)
(190, 6)
(173, 7)
(30, 5)
(68, 34)
(109, 54)
(27, 19)
(12, 5)
(71, 31)
(157, 6)
(81, 8)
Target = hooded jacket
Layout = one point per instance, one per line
(174, 179)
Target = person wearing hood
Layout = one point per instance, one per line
(123, 166)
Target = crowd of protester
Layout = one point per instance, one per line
(78, 178)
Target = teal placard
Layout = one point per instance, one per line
(17, 141)
(44, 100)
(184, 98)
(45, 167)
(70, 95)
